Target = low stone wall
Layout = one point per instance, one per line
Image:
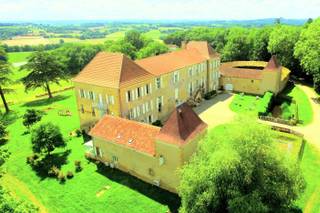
(279, 120)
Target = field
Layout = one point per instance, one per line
(92, 189)
(38, 40)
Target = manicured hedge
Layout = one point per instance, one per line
(265, 104)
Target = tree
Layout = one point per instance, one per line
(121, 46)
(4, 79)
(281, 43)
(307, 50)
(45, 68)
(46, 138)
(258, 41)
(31, 117)
(134, 38)
(240, 170)
(237, 47)
(76, 56)
(152, 49)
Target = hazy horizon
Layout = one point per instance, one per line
(154, 10)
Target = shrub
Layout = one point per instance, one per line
(209, 95)
(78, 133)
(31, 117)
(31, 159)
(69, 174)
(61, 177)
(157, 123)
(265, 104)
(78, 166)
(54, 171)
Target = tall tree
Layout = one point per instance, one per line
(237, 46)
(45, 68)
(240, 171)
(307, 50)
(258, 39)
(4, 77)
(134, 38)
(281, 43)
(121, 46)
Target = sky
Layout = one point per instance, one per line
(26, 10)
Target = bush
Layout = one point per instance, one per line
(209, 95)
(70, 175)
(31, 159)
(78, 133)
(157, 123)
(265, 104)
(31, 117)
(61, 177)
(54, 171)
(78, 166)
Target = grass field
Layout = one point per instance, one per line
(304, 106)
(91, 190)
(247, 104)
(19, 95)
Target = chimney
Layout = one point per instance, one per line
(183, 44)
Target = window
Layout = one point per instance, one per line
(150, 118)
(159, 103)
(147, 106)
(190, 71)
(252, 81)
(176, 77)
(82, 109)
(158, 83)
(147, 89)
(138, 92)
(176, 95)
(115, 159)
(82, 93)
(93, 112)
(128, 96)
(111, 99)
(190, 89)
(138, 111)
(98, 152)
(91, 95)
(161, 160)
(100, 99)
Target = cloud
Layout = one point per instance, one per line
(156, 9)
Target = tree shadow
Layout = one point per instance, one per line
(43, 165)
(9, 118)
(46, 101)
(155, 193)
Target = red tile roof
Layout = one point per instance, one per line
(183, 124)
(203, 47)
(273, 64)
(169, 62)
(111, 70)
(121, 131)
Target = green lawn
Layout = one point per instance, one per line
(247, 104)
(304, 106)
(18, 57)
(124, 194)
(19, 95)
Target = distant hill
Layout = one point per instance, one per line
(221, 23)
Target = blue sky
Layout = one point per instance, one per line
(156, 9)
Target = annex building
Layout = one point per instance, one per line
(119, 98)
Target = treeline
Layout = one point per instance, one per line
(30, 48)
(296, 47)
(9, 32)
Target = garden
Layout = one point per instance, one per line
(290, 107)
